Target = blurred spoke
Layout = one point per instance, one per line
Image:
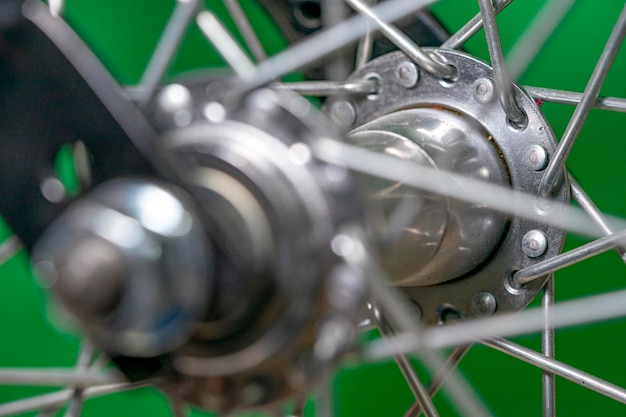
(246, 29)
(525, 50)
(8, 248)
(583, 108)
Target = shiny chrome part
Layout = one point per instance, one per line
(329, 88)
(456, 127)
(484, 304)
(226, 45)
(8, 248)
(472, 26)
(174, 106)
(408, 74)
(567, 258)
(504, 86)
(169, 42)
(132, 263)
(573, 98)
(246, 30)
(585, 105)
(558, 368)
(404, 43)
(596, 215)
(537, 157)
(425, 239)
(343, 113)
(534, 243)
(272, 209)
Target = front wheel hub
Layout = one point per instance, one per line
(448, 255)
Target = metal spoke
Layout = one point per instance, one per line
(472, 26)
(225, 44)
(584, 107)
(404, 43)
(548, 348)
(325, 42)
(365, 45)
(588, 205)
(406, 368)
(57, 399)
(459, 187)
(337, 66)
(166, 50)
(246, 29)
(440, 377)
(564, 314)
(572, 98)
(8, 248)
(569, 258)
(535, 35)
(504, 86)
(330, 88)
(558, 368)
(55, 377)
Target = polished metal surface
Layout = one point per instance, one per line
(467, 104)
(131, 262)
(427, 239)
(273, 209)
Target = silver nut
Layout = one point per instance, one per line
(343, 113)
(407, 74)
(484, 90)
(537, 158)
(483, 304)
(534, 243)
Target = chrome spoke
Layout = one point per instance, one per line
(569, 258)
(584, 107)
(577, 312)
(440, 377)
(525, 50)
(326, 42)
(246, 30)
(472, 26)
(548, 384)
(558, 368)
(596, 215)
(225, 44)
(329, 88)
(406, 368)
(459, 187)
(504, 86)
(572, 98)
(365, 45)
(166, 50)
(404, 43)
(338, 65)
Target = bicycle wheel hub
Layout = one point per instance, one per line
(449, 255)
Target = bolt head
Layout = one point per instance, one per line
(407, 74)
(536, 158)
(483, 304)
(343, 113)
(484, 90)
(534, 243)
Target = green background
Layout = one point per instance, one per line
(123, 33)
